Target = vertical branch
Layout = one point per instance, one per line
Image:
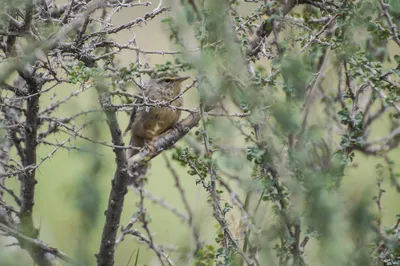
(28, 181)
(5, 146)
(29, 7)
(119, 183)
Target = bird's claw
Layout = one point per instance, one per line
(177, 127)
(152, 148)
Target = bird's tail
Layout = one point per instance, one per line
(138, 172)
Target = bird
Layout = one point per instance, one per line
(148, 122)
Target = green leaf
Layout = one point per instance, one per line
(397, 58)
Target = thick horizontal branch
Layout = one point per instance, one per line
(166, 140)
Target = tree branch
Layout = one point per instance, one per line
(40, 246)
(119, 184)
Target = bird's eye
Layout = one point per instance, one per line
(168, 80)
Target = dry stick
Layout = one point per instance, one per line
(184, 91)
(157, 249)
(103, 143)
(69, 148)
(42, 91)
(145, 222)
(11, 193)
(6, 217)
(124, 230)
(179, 187)
(136, 48)
(128, 25)
(163, 203)
(41, 245)
(30, 168)
(141, 238)
(57, 104)
(155, 103)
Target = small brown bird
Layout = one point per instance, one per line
(146, 123)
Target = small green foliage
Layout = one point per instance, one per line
(198, 167)
(227, 208)
(260, 79)
(354, 137)
(206, 256)
(397, 58)
(344, 116)
(254, 154)
(81, 73)
(175, 67)
(174, 29)
(134, 70)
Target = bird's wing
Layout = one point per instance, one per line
(133, 115)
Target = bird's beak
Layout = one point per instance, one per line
(180, 79)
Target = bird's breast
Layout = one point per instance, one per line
(153, 121)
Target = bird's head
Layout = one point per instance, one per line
(170, 82)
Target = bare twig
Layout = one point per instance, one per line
(40, 245)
